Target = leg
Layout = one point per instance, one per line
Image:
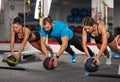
(36, 45)
(49, 49)
(77, 43)
(117, 38)
(113, 46)
(106, 53)
(70, 51)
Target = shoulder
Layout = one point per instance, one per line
(58, 22)
(101, 25)
(26, 30)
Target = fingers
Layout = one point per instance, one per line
(55, 61)
(97, 61)
(16, 56)
(44, 59)
(86, 59)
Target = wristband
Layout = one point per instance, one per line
(57, 56)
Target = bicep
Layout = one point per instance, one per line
(104, 33)
(64, 40)
(84, 36)
(43, 40)
(26, 36)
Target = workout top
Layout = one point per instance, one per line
(99, 37)
(60, 30)
(21, 39)
(96, 37)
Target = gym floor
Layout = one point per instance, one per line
(65, 72)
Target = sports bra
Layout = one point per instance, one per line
(21, 39)
(96, 37)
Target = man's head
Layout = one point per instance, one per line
(48, 24)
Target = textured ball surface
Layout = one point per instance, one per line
(48, 63)
(11, 60)
(91, 66)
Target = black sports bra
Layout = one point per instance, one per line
(96, 37)
(21, 39)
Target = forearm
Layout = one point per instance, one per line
(86, 50)
(12, 48)
(102, 49)
(49, 49)
(21, 49)
(44, 49)
(62, 49)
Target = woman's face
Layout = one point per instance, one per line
(89, 29)
(17, 27)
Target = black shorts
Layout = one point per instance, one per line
(37, 34)
(110, 39)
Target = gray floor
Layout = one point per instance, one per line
(65, 72)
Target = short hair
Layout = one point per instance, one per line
(89, 21)
(17, 20)
(47, 19)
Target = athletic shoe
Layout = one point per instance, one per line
(73, 58)
(108, 60)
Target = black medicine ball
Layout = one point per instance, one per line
(48, 63)
(90, 65)
(11, 60)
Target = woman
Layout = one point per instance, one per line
(117, 38)
(102, 38)
(24, 34)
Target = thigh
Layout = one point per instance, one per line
(36, 45)
(113, 45)
(98, 45)
(105, 51)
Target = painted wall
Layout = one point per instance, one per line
(58, 12)
(116, 14)
(9, 15)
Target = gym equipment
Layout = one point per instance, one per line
(26, 56)
(78, 19)
(79, 29)
(75, 11)
(72, 28)
(48, 63)
(101, 75)
(70, 19)
(11, 60)
(91, 65)
(84, 12)
(114, 54)
(16, 68)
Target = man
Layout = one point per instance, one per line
(64, 36)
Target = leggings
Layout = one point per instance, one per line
(77, 44)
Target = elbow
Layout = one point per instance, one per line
(65, 44)
(105, 44)
(83, 45)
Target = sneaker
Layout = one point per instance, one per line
(73, 58)
(108, 60)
